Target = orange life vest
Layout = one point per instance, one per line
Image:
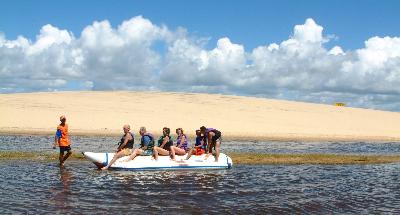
(64, 139)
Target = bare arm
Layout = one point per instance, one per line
(209, 139)
(56, 139)
(124, 143)
(165, 140)
(182, 141)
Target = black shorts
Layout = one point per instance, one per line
(216, 137)
(65, 149)
(167, 146)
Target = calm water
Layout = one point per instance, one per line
(104, 144)
(79, 188)
(41, 187)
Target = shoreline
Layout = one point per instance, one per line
(277, 138)
(238, 158)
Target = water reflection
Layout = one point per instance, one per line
(62, 193)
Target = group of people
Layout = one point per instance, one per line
(207, 139)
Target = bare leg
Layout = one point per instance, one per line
(61, 159)
(217, 144)
(155, 153)
(191, 151)
(173, 153)
(178, 151)
(134, 154)
(116, 156)
(210, 146)
(157, 150)
(66, 156)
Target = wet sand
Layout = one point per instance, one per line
(240, 118)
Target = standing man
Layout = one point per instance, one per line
(62, 140)
(213, 137)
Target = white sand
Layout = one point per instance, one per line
(105, 113)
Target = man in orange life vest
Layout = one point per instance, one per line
(62, 140)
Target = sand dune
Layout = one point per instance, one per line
(104, 113)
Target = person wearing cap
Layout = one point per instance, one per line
(62, 140)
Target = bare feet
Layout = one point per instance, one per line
(104, 168)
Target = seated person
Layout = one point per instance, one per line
(125, 146)
(164, 144)
(181, 144)
(146, 145)
(199, 147)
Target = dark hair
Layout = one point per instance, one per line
(179, 129)
(203, 128)
(167, 130)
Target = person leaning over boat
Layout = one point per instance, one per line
(164, 144)
(199, 147)
(214, 138)
(125, 146)
(146, 145)
(62, 140)
(181, 144)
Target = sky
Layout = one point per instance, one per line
(312, 51)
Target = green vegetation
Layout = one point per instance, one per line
(254, 158)
(39, 156)
(240, 158)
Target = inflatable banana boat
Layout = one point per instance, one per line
(163, 162)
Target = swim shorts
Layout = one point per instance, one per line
(147, 153)
(127, 151)
(65, 149)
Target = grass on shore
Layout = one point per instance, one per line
(254, 158)
(240, 158)
(40, 156)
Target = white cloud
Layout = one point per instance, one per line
(138, 54)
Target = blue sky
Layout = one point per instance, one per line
(313, 51)
(251, 23)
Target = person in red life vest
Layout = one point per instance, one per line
(199, 147)
(213, 137)
(62, 140)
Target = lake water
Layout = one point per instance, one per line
(107, 144)
(42, 187)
